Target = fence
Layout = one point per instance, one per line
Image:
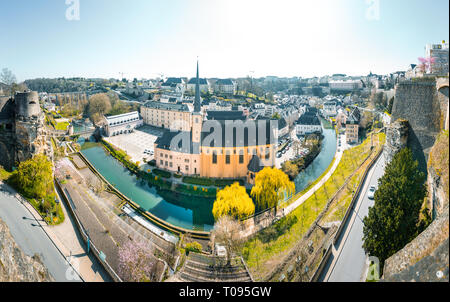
(152, 218)
(356, 196)
(84, 235)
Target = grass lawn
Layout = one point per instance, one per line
(267, 248)
(4, 175)
(62, 126)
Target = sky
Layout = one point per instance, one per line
(231, 38)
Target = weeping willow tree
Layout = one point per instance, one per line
(271, 186)
(233, 201)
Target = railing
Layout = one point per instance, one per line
(328, 253)
(356, 196)
(84, 235)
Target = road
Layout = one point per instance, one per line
(31, 239)
(348, 262)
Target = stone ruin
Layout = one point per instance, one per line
(22, 129)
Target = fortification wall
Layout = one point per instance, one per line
(26, 135)
(418, 103)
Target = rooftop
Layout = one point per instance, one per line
(167, 106)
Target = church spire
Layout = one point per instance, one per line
(197, 101)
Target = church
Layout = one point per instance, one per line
(215, 144)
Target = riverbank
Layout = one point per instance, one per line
(294, 167)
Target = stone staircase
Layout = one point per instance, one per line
(203, 268)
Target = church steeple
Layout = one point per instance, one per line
(197, 101)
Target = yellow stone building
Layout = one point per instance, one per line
(217, 144)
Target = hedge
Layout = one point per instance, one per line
(211, 181)
(198, 181)
(162, 173)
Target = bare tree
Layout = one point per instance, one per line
(7, 77)
(227, 231)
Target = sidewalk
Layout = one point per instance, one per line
(66, 239)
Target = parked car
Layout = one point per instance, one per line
(371, 194)
(278, 154)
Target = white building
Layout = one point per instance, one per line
(177, 85)
(205, 85)
(345, 85)
(225, 86)
(308, 123)
(329, 109)
(439, 52)
(123, 123)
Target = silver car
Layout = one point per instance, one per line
(371, 194)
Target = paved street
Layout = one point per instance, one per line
(348, 263)
(30, 237)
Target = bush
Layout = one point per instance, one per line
(198, 181)
(193, 247)
(162, 173)
(228, 182)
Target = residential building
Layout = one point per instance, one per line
(225, 86)
(174, 84)
(352, 126)
(329, 109)
(439, 52)
(204, 84)
(345, 85)
(174, 116)
(308, 123)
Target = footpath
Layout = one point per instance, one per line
(67, 240)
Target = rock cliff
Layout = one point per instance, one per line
(15, 266)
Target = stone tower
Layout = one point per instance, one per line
(23, 134)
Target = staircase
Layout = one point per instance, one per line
(203, 268)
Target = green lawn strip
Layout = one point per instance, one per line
(62, 126)
(4, 175)
(263, 246)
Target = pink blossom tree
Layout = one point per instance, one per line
(426, 64)
(136, 262)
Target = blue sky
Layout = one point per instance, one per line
(232, 38)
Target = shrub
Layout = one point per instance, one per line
(193, 247)
(162, 173)
(198, 181)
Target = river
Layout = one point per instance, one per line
(320, 163)
(180, 210)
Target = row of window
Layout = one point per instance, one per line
(124, 121)
(170, 165)
(228, 158)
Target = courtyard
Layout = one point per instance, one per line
(137, 142)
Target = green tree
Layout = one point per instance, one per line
(233, 201)
(99, 105)
(290, 168)
(276, 116)
(270, 187)
(34, 177)
(393, 220)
